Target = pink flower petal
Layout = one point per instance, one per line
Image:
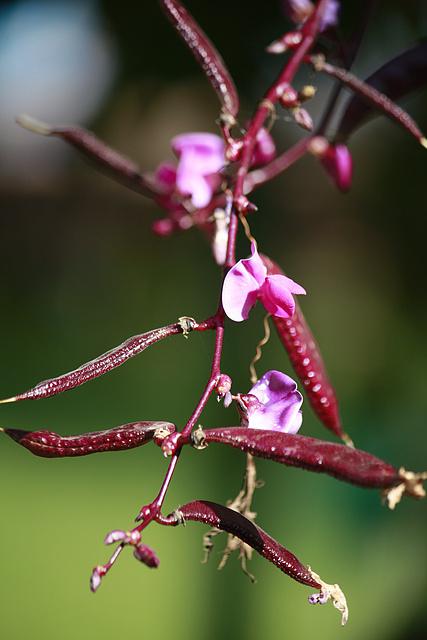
(195, 185)
(242, 285)
(239, 292)
(276, 295)
(206, 150)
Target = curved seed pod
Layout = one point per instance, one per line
(337, 460)
(225, 519)
(397, 78)
(206, 55)
(307, 361)
(48, 444)
(103, 363)
(105, 158)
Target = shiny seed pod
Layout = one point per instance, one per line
(219, 517)
(100, 365)
(339, 461)
(307, 361)
(206, 55)
(48, 444)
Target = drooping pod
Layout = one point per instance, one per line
(307, 361)
(219, 517)
(369, 94)
(339, 461)
(206, 55)
(397, 78)
(48, 444)
(103, 363)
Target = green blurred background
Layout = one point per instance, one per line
(81, 271)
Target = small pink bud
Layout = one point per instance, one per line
(146, 555)
(265, 149)
(338, 163)
(289, 98)
(303, 119)
(163, 227)
(117, 535)
(288, 41)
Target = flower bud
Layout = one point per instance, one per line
(289, 98)
(339, 164)
(223, 385)
(303, 118)
(96, 577)
(146, 555)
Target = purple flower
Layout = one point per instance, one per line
(300, 10)
(201, 157)
(248, 282)
(273, 403)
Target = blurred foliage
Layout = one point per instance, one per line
(81, 271)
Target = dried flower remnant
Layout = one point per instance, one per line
(248, 282)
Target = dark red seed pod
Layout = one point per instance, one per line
(219, 517)
(103, 363)
(337, 460)
(307, 361)
(48, 444)
(397, 78)
(205, 53)
(104, 157)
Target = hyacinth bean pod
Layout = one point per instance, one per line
(397, 78)
(339, 461)
(219, 517)
(307, 361)
(48, 444)
(372, 96)
(103, 363)
(206, 55)
(104, 157)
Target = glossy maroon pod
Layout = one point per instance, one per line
(103, 363)
(48, 444)
(206, 55)
(308, 363)
(395, 79)
(339, 461)
(104, 157)
(219, 517)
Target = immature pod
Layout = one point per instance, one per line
(225, 519)
(48, 444)
(105, 158)
(103, 363)
(206, 55)
(337, 460)
(307, 361)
